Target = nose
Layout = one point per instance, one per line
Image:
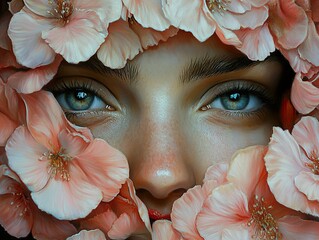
(160, 169)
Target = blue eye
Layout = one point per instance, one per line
(237, 101)
(80, 100)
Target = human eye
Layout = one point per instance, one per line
(238, 99)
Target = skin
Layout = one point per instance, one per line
(172, 131)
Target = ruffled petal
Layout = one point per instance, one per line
(148, 13)
(121, 44)
(34, 79)
(198, 23)
(76, 198)
(257, 43)
(304, 95)
(106, 167)
(253, 18)
(39, 7)
(296, 62)
(185, 210)
(228, 37)
(215, 176)
(28, 46)
(26, 162)
(70, 39)
(308, 184)
(72, 143)
(88, 235)
(162, 229)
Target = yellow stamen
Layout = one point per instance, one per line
(61, 9)
(217, 5)
(59, 164)
(314, 162)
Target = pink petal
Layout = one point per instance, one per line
(226, 207)
(247, 162)
(11, 220)
(306, 133)
(150, 37)
(76, 198)
(8, 59)
(294, 228)
(40, 7)
(47, 227)
(28, 46)
(304, 95)
(226, 19)
(34, 79)
(308, 184)
(296, 62)
(69, 39)
(309, 49)
(45, 118)
(228, 37)
(257, 43)
(256, 17)
(148, 13)
(72, 143)
(25, 162)
(199, 22)
(289, 23)
(215, 176)
(88, 235)
(105, 166)
(7, 126)
(185, 211)
(120, 45)
(15, 6)
(162, 229)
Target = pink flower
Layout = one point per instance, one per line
(43, 29)
(88, 235)
(19, 215)
(292, 164)
(244, 208)
(203, 18)
(57, 157)
(304, 94)
(126, 215)
(162, 229)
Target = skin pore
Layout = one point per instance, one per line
(174, 110)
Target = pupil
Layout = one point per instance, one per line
(234, 97)
(235, 101)
(79, 99)
(80, 95)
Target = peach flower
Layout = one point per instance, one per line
(19, 215)
(88, 235)
(126, 215)
(293, 166)
(44, 28)
(56, 157)
(162, 229)
(244, 208)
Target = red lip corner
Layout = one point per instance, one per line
(156, 215)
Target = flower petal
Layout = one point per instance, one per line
(308, 184)
(72, 143)
(162, 229)
(105, 166)
(87, 235)
(185, 210)
(120, 45)
(7, 126)
(40, 7)
(5, 41)
(76, 198)
(69, 39)
(28, 46)
(25, 162)
(256, 17)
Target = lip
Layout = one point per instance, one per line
(156, 215)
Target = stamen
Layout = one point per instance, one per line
(262, 221)
(314, 162)
(59, 164)
(61, 9)
(217, 5)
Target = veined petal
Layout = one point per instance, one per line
(26, 162)
(308, 184)
(162, 229)
(33, 80)
(76, 198)
(148, 13)
(120, 45)
(39, 7)
(228, 37)
(226, 20)
(304, 95)
(72, 143)
(81, 31)
(106, 167)
(185, 211)
(198, 23)
(86, 235)
(253, 18)
(296, 62)
(28, 46)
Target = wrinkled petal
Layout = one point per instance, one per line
(148, 13)
(162, 229)
(308, 184)
(253, 18)
(296, 62)
(88, 235)
(215, 176)
(28, 46)
(40, 7)
(121, 44)
(185, 210)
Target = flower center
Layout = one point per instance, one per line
(59, 165)
(20, 202)
(61, 9)
(314, 162)
(262, 220)
(217, 5)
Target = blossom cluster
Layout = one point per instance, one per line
(57, 181)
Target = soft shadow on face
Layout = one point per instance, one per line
(174, 110)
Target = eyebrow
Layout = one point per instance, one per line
(129, 73)
(207, 66)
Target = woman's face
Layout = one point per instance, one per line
(174, 110)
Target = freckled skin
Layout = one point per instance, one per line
(168, 141)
